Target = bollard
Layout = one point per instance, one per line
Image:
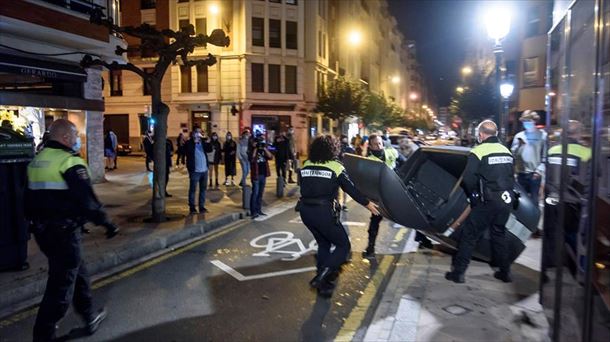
(279, 187)
(246, 193)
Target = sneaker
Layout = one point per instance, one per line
(226, 182)
(255, 216)
(261, 213)
(203, 210)
(192, 211)
(504, 276)
(232, 182)
(345, 208)
(455, 277)
(369, 253)
(94, 324)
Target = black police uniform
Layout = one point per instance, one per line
(59, 200)
(488, 180)
(320, 183)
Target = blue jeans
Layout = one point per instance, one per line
(256, 200)
(530, 185)
(245, 169)
(195, 178)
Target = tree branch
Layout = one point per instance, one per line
(88, 61)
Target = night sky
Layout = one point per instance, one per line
(440, 29)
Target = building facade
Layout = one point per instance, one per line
(41, 45)
(282, 53)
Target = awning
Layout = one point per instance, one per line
(42, 68)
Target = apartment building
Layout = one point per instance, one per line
(41, 45)
(282, 53)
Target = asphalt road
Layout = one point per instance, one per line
(248, 282)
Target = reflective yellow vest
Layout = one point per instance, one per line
(46, 171)
(391, 155)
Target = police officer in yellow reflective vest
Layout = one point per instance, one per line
(320, 179)
(389, 156)
(488, 181)
(579, 166)
(59, 200)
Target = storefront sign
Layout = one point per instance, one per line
(39, 68)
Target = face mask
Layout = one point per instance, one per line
(214, 138)
(77, 145)
(377, 153)
(229, 137)
(529, 126)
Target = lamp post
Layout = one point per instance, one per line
(497, 21)
(506, 90)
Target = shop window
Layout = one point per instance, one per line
(291, 35)
(274, 79)
(145, 85)
(290, 75)
(275, 33)
(185, 79)
(202, 78)
(258, 31)
(116, 83)
(148, 4)
(201, 26)
(258, 78)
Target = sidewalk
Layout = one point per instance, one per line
(420, 305)
(127, 198)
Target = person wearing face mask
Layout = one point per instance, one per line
(196, 150)
(294, 162)
(530, 148)
(344, 148)
(59, 200)
(214, 158)
(230, 151)
(390, 157)
(244, 160)
(488, 182)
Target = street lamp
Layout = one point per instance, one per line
(497, 21)
(466, 71)
(214, 9)
(354, 37)
(506, 90)
(395, 79)
(413, 96)
(459, 89)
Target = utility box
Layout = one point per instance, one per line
(16, 151)
(426, 195)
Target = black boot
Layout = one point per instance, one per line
(326, 289)
(504, 276)
(320, 278)
(369, 252)
(95, 322)
(455, 277)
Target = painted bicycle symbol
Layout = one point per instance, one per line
(282, 243)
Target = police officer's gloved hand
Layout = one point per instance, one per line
(111, 230)
(475, 199)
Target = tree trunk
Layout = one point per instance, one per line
(159, 113)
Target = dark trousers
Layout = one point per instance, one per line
(180, 157)
(530, 185)
(256, 199)
(68, 280)
(374, 229)
(322, 223)
(149, 158)
(490, 215)
(280, 167)
(201, 179)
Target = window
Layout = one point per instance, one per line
(290, 79)
(146, 86)
(202, 78)
(319, 43)
(323, 45)
(258, 78)
(530, 72)
(275, 33)
(183, 23)
(116, 86)
(147, 4)
(533, 22)
(276, 1)
(185, 79)
(291, 35)
(292, 2)
(258, 31)
(275, 85)
(201, 26)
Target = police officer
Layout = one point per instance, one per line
(579, 166)
(390, 157)
(320, 179)
(488, 182)
(59, 200)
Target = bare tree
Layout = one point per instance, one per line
(172, 47)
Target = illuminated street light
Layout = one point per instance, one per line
(395, 79)
(459, 89)
(551, 93)
(466, 70)
(354, 38)
(497, 21)
(214, 9)
(413, 96)
(425, 106)
(506, 89)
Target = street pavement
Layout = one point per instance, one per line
(247, 282)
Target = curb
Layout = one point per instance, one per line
(23, 296)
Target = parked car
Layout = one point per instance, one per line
(124, 149)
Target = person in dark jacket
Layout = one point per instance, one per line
(319, 180)
(148, 149)
(282, 154)
(259, 164)
(196, 150)
(488, 181)
(229, 150)
(180, 155)
(214, 158)
(169, 151)
(59, 200)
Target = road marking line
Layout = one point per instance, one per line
(276, 210)
(235, 274)
(356, 316)
(105, 281)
